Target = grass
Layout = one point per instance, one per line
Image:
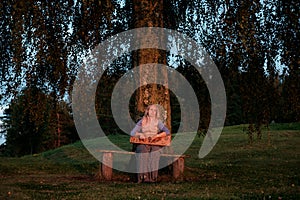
(234, 169)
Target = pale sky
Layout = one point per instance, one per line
(1, 138)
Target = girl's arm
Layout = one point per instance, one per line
(162, 128)
(136, 131)
(164, 131)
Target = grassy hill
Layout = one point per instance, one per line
(234, 169)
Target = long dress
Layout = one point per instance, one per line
(148, 156)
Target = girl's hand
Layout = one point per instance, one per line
(142, 137)
(159, 135)
(162, 134)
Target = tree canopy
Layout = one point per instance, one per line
(255, 45)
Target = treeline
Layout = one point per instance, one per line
(33, 123)
(253, 43)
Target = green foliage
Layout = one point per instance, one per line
(285, 126)
(254, 44)
(245, 39)
(34, 124)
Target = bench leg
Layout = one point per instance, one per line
(178, 167)
(106, 170)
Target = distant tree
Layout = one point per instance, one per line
(288, 33)
(245, 39)
(32, 124)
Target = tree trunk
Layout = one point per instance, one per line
(150, 14)
(58, 139)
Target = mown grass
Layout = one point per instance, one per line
(234, 169)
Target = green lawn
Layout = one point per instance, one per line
(234, 169)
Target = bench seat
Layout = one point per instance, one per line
(107, 157)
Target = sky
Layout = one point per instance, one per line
(2, 140)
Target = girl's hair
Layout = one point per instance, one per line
(146, 114)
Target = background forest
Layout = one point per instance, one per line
(255, 45)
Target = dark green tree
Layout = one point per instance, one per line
(34, 124)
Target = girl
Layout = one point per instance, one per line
(147, 156)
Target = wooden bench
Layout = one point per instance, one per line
(107, 157)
